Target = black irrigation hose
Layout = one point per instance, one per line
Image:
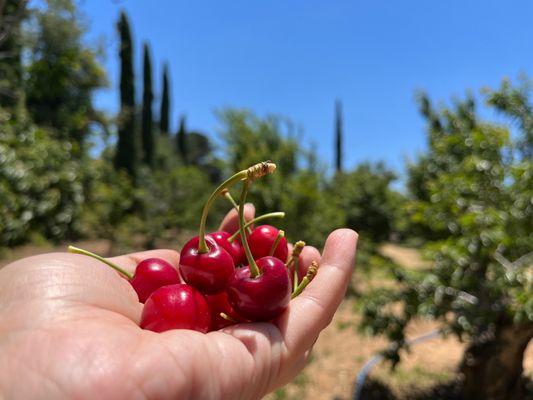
(367, 367)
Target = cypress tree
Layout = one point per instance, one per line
(338, 136)
(126, 155)
(165, 103)
(147, 119)
(11, 16)
(181, 140)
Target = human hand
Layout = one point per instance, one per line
(69, 328)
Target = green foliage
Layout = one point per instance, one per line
(126, 153)
(300, 193)
(181, 140)
(110, 197)
(165, 103)
(40, 183)
(474, 194)
(338, 136)
(147, 119)
(367, 200)
(11, 69)
(63, 73)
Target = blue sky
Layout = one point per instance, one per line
(295, 57)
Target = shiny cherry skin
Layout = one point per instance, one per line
(151, 274)
(234, 248)
(177, 306)
(208, 272)
(264, 297)
(263, 238)
(219, 303)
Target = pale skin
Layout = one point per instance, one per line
(69, 328)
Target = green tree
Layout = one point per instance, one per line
(300, 193)
(147, 119)
(12, 12)
(63, 73)
(338, 136)
(126, 154)
(165, 103)
(367, 199)
(477, 197)
(181, 140)
(41, 188)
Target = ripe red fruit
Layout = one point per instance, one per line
(208, 272)
(177, 306)
(151, 274)
(264, 297)
(234, 248)
(219, 303)
(263, 238)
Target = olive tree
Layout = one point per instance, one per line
(472, 191)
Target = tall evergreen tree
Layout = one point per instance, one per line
(126, 155)
(338, 136)
(147, 119)
(11, 14)
(165, 103)
(181, 140)
(63, 73)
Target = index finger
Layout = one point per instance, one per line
(313, 310)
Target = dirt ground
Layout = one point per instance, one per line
(341, 350)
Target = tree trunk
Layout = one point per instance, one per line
(493, 363)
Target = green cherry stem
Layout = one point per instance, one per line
(254, 172)
(295, 269)
(77, 250)
(311, 273)
(230, 198)
(281, 235)
(254, 270)
(277, 214)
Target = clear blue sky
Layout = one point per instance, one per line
(294, 57)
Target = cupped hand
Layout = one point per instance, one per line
(69, 329)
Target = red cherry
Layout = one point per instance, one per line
(234, 248)
(264, 297)
(263, 238)
(208, 272)
(151, 274)
(177, 306)
(219, 303)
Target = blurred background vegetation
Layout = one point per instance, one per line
(70, 172)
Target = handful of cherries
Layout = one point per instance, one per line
(223, 279)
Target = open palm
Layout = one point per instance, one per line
(69, 329)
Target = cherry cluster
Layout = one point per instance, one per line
(223, 278)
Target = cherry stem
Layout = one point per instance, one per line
(277, 214)
(230, 198)
(295, 260)
(77, 250)
(311, 273)
(228, 318)
(281, 235)
(255, 171)
(295, 269)
(254, 269)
